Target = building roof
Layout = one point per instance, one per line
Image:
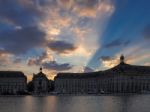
(120, 69)
(125, 69)
(78, 75)
(39, 75)
(12, 74)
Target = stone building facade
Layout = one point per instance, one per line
(12, 82)
(41, 84)
(75, 83)
(123, 78)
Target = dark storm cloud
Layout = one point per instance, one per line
(16, 13)
(53, 65)
(146, 32)
(19, 26)
(116, 43)
(61, 46)
(20, 41)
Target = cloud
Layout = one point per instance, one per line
(33, 61)
(3, 52)
(61, 47)
(17, 60)
(4, 58)
(22, 40)
(61, 27)
(87, 3)
(136, 54)
(44, 57)
(19, 14)
(53, 65)
(105, 58)
(147, 64)
(75, 22)
(46, 60)
(93, 8)
(109, 62)
(146, 32)
(116, 43)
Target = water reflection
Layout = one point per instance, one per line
(136, 103)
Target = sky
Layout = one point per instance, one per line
(73, 35)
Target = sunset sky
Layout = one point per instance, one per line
(73, 35)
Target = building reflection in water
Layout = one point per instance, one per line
(137, 103)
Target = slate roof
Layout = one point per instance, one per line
(128, 69)
(78, 75)
(39, 75)
(12, 74)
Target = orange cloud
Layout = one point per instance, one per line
(66, 3)
(110, 62)
(93, 11)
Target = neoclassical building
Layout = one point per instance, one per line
(123, 78)
(12, 82)
(76, 83)
(41, 84)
